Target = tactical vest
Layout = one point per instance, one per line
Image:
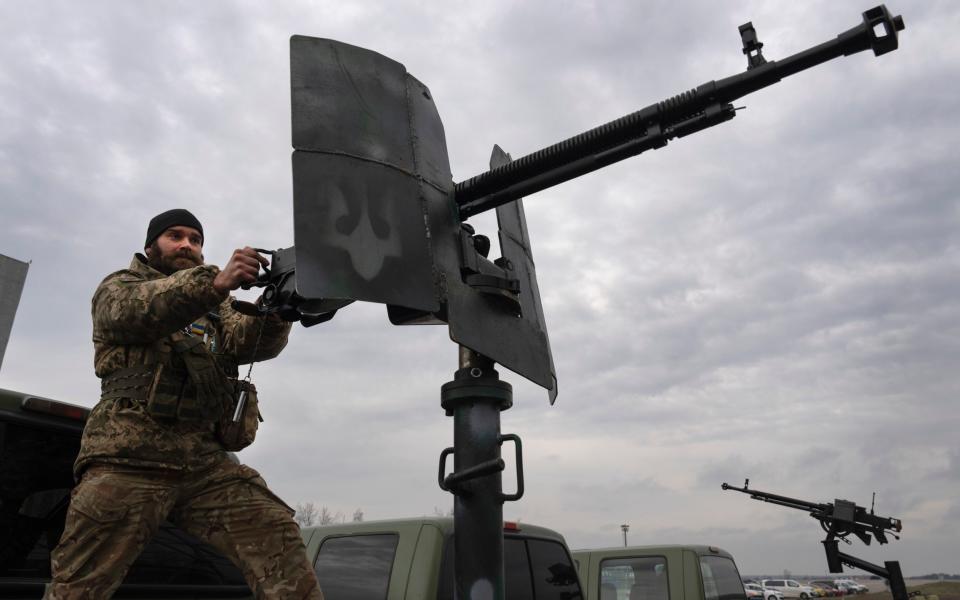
(187, 382)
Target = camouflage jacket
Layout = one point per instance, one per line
(134, 311)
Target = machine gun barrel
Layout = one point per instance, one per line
(811, 507)
(652, 127)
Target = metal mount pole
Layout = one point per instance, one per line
(474, 399)
(890, 571)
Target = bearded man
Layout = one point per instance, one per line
(167, 346)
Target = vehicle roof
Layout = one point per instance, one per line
(444, 524)
(701, 550)
(12, 400)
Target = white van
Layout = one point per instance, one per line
(789, 588)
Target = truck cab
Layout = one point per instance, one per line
(413, 559)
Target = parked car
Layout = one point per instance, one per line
(845, 587)
(755, 590)
(789, 588)
(827, 585)
(852, 586)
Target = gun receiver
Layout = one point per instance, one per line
(652, 127)
(280, 295)
(840, 519)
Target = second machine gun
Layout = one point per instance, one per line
(840, 519)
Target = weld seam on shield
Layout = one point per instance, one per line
(416, 176)
(424, 210)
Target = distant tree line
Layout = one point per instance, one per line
(308, 514)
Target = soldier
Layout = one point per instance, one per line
(167, 348)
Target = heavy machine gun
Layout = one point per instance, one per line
(378, 218)
(313, 282)
(840, 519)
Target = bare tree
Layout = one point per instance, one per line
(306, 514)
(327, 517)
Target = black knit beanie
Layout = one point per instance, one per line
(166, 220)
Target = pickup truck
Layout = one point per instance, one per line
(659, 573)
(410, 559)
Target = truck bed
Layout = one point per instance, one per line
(39, 441)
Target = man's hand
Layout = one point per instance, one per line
(243, 267)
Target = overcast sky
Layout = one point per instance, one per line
(775, 298)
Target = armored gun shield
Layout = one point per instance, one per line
(515, 338)
(369, 156)
(375, 217)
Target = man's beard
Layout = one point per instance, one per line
(171, 263)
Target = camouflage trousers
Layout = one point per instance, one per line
(115, 510)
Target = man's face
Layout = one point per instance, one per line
(177, 248)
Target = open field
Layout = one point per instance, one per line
(946, 590)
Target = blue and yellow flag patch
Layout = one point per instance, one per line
(197, 328)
